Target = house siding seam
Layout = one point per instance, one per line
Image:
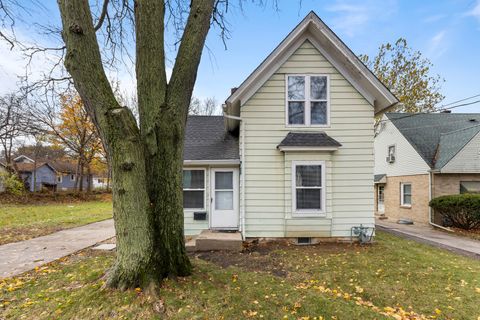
(268, 171)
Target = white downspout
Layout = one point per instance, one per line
(242, 171)
(430, 196)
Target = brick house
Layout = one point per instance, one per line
(422, 156)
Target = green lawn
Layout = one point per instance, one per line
(21, 222)
(393, 279)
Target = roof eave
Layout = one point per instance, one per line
(324, 39)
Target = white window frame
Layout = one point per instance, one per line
(307, 111)
(402, 194)
(72, 177)
(59, 178)
(193, 189)
(394, 150)
(322, 212)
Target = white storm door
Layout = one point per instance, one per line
(381, 198)
(224, 199)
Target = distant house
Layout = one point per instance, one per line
(35, 175)
(51, 175)
(422, 156)
(66, 177)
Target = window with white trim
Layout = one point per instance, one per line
(307, 100)
(59, 179)
(194, 189)
(406, 194)
(308, 181)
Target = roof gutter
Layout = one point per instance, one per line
(242, 171)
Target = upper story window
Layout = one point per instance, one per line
(59, 179)
(307, 100)
(391, 154)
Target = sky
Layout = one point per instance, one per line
(446, 32)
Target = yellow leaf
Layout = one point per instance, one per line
(438, 311)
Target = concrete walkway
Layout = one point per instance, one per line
(19, 257)
(429, 235)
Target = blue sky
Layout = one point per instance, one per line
(446, 32)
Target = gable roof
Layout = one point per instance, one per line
(308, 139)
(452, 142)
(29, 167)
(207, 139)
(437, 137)
(313, 29)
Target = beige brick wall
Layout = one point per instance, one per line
(449, 183)
(418, 211)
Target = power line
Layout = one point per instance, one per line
(438, 110)
(461, 100)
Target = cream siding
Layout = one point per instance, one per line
(349, 170)
(407, 160)
(467, 160)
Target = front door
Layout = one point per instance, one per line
(381, 198)
(224, 199)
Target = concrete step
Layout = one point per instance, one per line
(210, 240)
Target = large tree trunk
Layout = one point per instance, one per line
(147, 161)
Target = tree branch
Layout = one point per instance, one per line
(102, 15)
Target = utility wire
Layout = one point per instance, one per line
(440, 109)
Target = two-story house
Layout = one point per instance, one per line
(422, 156)
(292, 155)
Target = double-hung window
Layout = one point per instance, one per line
(308, 182)
(194, 189)
(406, 194)
(307, 100)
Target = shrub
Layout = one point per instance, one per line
(13, 185)
(461, 210)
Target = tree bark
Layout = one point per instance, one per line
(146, 162)
(134, 264)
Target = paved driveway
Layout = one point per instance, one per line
(429, 235)
(19, 257)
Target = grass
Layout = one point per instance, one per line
(21, 222)
(393, 279)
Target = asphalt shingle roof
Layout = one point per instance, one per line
(437, 137)
(309, 139)
(207, 139)
(378, 177)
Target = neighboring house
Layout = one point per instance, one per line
(51, 175)
(66, 175)
(422, 156)
(36, 176)
(100, 181)
(293, 154)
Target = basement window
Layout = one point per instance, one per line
(304, 240)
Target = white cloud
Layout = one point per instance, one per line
(475, 12)
(352, 16)
(437, 45)
(434, 18)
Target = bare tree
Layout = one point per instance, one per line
(146, 157)
(207, 107)
(14, 123)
